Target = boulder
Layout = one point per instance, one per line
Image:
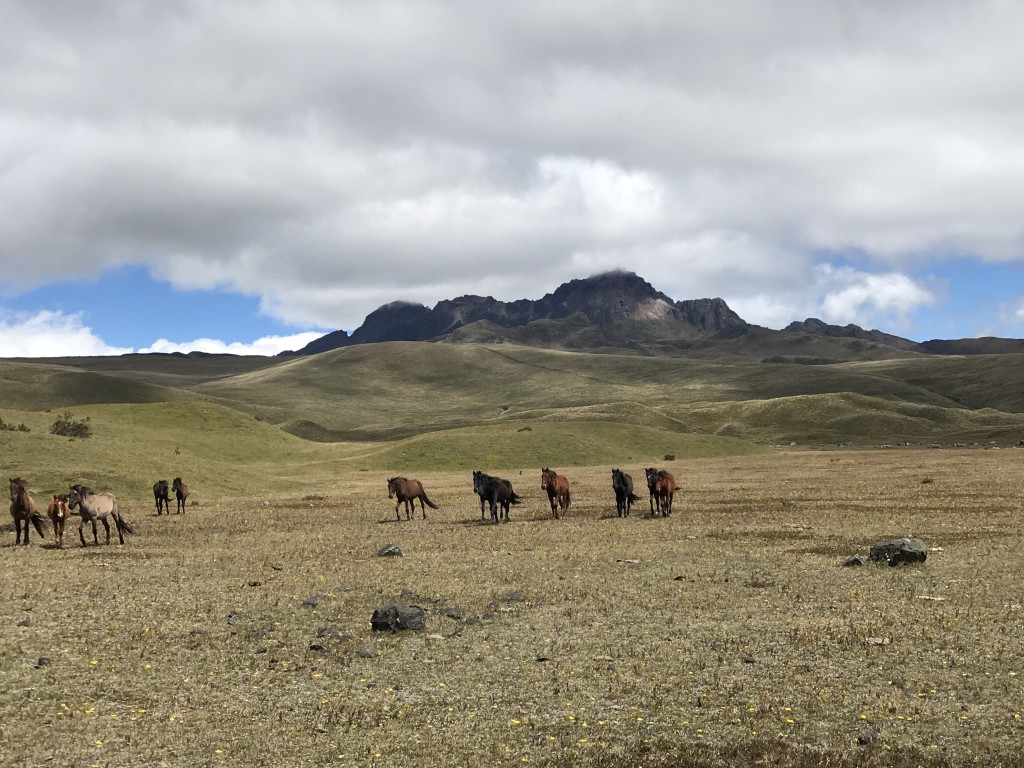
(897, 551)
(393, 618)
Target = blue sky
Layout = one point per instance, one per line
(246, 176)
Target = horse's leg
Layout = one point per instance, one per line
(423, 506)
(95, 538)
(398, 517)
(17, 531)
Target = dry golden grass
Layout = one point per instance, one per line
(726, 634)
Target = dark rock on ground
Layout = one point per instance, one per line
(852, 561)
(313, 601)
(391, 550)
(398, 617)
(897, 551)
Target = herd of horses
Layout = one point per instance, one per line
(496, 493)
(83, 501)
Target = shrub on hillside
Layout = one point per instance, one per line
(67, 426)
(13, 427)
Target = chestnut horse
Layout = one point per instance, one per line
(404, 490)
(57, 510)
(94, 506)
(23, 510)
(497, 492)
(162, 496)
(622, 484)
(557, 487)
(662, 485)
(181, 493)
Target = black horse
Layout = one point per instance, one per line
(162, 496)
(622, 484)
(180, 493)
(495, 491)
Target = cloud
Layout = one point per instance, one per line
(54, 334)
(50, 334)
(266, 346)
(856, 297)
(331, 156)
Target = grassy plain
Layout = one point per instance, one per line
(728, 634)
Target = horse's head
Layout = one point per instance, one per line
(546, 476)
(75, 495)
(17, 487)
(176, 484)
(393, 486)
(478, 481)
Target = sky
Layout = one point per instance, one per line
(244, 176)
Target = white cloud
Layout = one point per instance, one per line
(331, 156)
(266, 346)
(865, 299)
(50, 334)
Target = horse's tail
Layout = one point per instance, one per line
(633, 498)
(37, 521)
(568, 498)
(514, 498)
(122, 524)
(428, 502)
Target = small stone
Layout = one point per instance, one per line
(43, 661)
(853, 561)
(398, 617)
(25, 623)
(366, 653)
(897, 551)
(313, 601)
(391, 550)
(318, 648)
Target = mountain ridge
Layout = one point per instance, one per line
(619, 310)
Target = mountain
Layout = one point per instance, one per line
(621, 312)
(614, 308)
(815, 326)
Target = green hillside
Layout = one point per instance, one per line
(253, 425)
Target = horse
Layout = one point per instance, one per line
(94, 506)
(57, 510)
(162, 496)
(181, 493)
(497, 492)
(402, 489)
(23, 510)
(622, 484)
(662, 485)
(557, 487)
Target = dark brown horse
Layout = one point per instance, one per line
(94, 506)
(622, 484)
(23, 510)
(57, 510)
(180, 493)
(404, 490)
(495, 491)
(557, 487)
(162, 496)
(662, 485)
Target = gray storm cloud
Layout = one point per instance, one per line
(331, 156)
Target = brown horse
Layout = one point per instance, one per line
(57, 510)
(662, 485)
(404, 490)
(94, 506)
(23, 510)
(180, 493)
(162, 496)
(557, 487)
